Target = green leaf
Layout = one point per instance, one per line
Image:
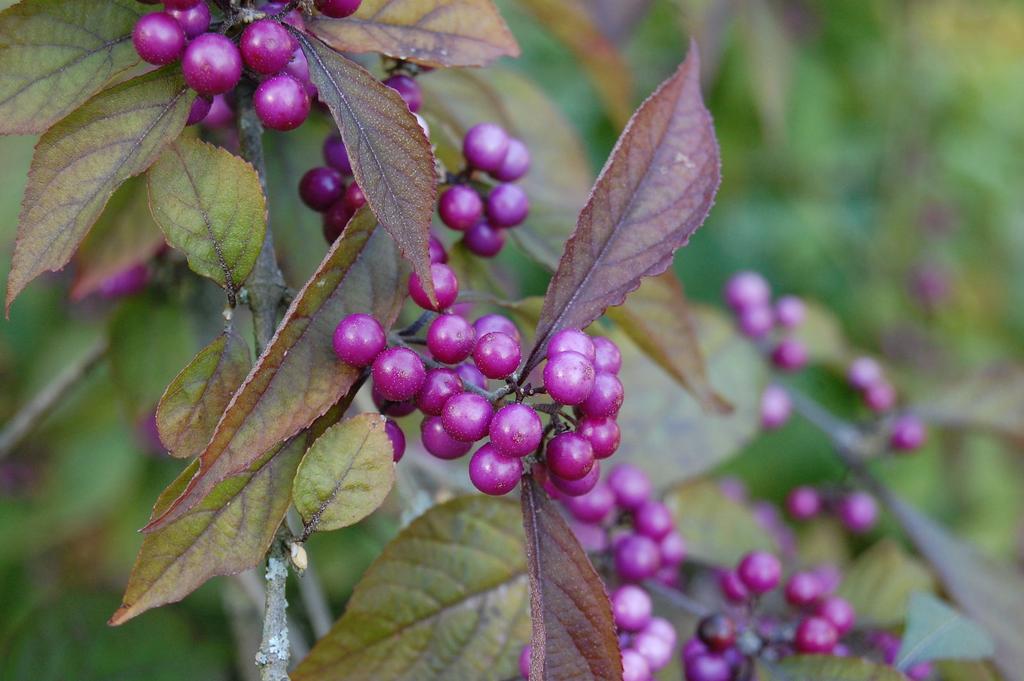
(299, 377)
(346, 474)
(879, 584)
(822, 334)
(80, 161)
(936, 631)
(210, 206)
(428, 32)
(391, 156)
(194, 401)
(55, 54)
(446, 600)
(826, 668)
(573, 632)
(718, 530)
(227, 532)
(990, 400)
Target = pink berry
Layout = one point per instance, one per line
(594, 506)
(470, 375)
(158, 38)
(631, 607)
(354, 198)
(194, 21)
(707, 667)
(776, 407)
(496, 355)
(438, 387)
(516, 163)
(282, 103)
(446, 288)
(266, 46)
(803, 503)
(673, 549)
(803, 589)
(516, 430)
(790, 311)
(606, 397)
(602, 433)
(408, 89)
(572, 340)
(858, 511)
(338, 9)
(747, 289)
(880, 397)
(907, 433)
(485, 146)
(653, 519)
(524, 661)
(636, 558)
(450, 339)
(397, 438)
(390, 407)
(569, 377)
(398, 374)
(635, 666)
(199, 111)
(569, 456)
(437, 252)
(864, 372)
(839, 612)
(732, 587)
(789, 355)
(494, 473)
(576, 488)
(212, 65)
(128, 281)
(358, 339)
(630, 485)
(495, 322)
(438, 442)
(467, 417)
(756, 321)
(760, 571)
(460, 207)
(607, 357)
(815, 635)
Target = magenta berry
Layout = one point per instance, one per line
(354, 198)
(507, 205)
(760, 571)
(803, 503)
(194, 21)
(907, 433)
(212, 65)
(594, 506)
(320, 188)
(437, 252)
(516, 430)
(732, 587)
(338, 9)
(607, 357)
(282, 103)
(221, 113)
(635, 666)
(438, 387)
(880, 397)
(390, 407)
(467, 417)
(450, 339)
(460, 207)
(790, 311)
(756, 321)
(358, 339)
(576, 488)
(569, 377)
(631, 607)
(446, 288)
(408, 89)
(397, 438)
(656, 650)
(485, 146)
(336, 156)
(180, 4)
(864, 372)
(470, 375)
(602, 433)
(789, 355)
(497, 355)
(858, 511)
(839, 612)
(335, 219)
(707, 667)
(266, 46)
(524, 661)
(663, 629)
(127, 282)
(158, 38)
(803, 589)
(673, 549)
(495, 322)
(637, 558)
(747, 289)
(919, 672)
(398, 374)
(572, 340)
(483, 240)
(606, 397)
(438, 442)
(630, 485)
(569, 456)
(653, 519)
(776, 407)
(516, 163)
(494, 473)
(200, 110)
(815, 635)
(717, 631)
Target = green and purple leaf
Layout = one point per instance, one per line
(197, 397)
(433, 33)
(80, 161)
(55, 54)
(391, 156)
(654, 192)
(210, 206)
(574, 635)
(991, 400)
(936, 631)
(298, 377)
(447, 599)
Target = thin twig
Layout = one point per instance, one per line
(272, 656)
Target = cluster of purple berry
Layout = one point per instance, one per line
(856, 510)
(488, 148)
(750, 297)
(907, 432)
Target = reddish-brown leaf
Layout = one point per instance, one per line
(654, 192)
(438, 33)
(573, 631)
(299, 377)
(391, 156)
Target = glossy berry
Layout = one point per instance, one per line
(569, 377)
(919, 672)
(732, 587)
(717, 631)
(803, 589)
(467, 417)
(389, 407)
(630, 485)
(907, 434)
(602, 433)
(495, 322)
(516, 163)
(446, 288)
(483, 240)
(516, 430)
(631, 608)
(438, 442)
(569, 456)
(158, 38)
(524, 661)
(790, 311)
(354, 197)
(576, 488)
(460, 207)
(653, 519)
(485, 146)
(470, 375)
(789, 355)
(839, 612)
(507, 205)
(282, 103)
(594, 506)
(636, 558)
(747, 289)
(409, 90)
(607, 356)
(436, 249)
(398, 374)
(221, 114)
(803, 503)
(320, 188)
(397, 438)
(673, 549)
(776, 407)
(756, 321)
(358, 339)
(494, 473)
(863, 373)
(572, 340)
(606, 397)
(194, 21)
(127, 282)
(438, 387)
(450, 339)
(336, 156)
(880, 397)
(760, 571)
(180, 4)
(858, 511)
(338, 9)
(200, 110)
(266, 46)
(335, 219)
(293, 18)
(707, 667)
(635, 666)
(497, 355)
(815, 635)
(212, 65)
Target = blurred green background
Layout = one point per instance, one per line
(873, 158)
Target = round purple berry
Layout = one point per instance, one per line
(438, 442)
(631, 607)
(398, 374)
(607, 357)
(336, 156)
(606, 397)
(756, 321)
(437, 252)
(200, 110)
(446, 288)
(483, 240)
(653, 519)
(673, 549)
(293, 18)
(491, 323)
(127, 282)
(335, 219)
(516, 430)
(450, 339)
(320, 188)
(212, 64)
(569, 377)
(717, 631)
(467, 417)
(707, 667)
(485, 146)
(863, 373)
(858, 511)
(635, 666)
(594, 506)
(524, 661)
(880, 397)
(194, 21)
(497, 355)
(397, 438)
(656, 650)
(460, 207)
(776, 407)
(815, 635)
(839, 612)
(408, 89)
(438, 387)
(602, 433)
(732, 587)
(158, 38)
(282, 103)
(636, 558)
(631, 486)
(516, 163)
(507, 205)
(569, 456)
(907, 434)
(470, 375)
(790, 311)
(803, 503)
(221, 114)
(576, 488)
(919, 672)
(747, 289)
(390, 407)
(493, 472)
(760, 571)
(789, 355)
(803, 589)
(266, 46)
(358, 339)
(337, 9)
(180, 4)
(354, 198)
(573, 340)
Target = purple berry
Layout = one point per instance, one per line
(732, 587)
(516, 163)
(320, 188)
(336, 156)
(438, 387)
(470, 375)
(607, 357)
(266, 46)
(282, 103)
(337, 9)
(497, 355)
(735, 489)
(483, 240)
(747, 289)
(815, 635)
(606, 397)
(516, 430)
(673, 549)
(335, 219)
(694, 647)
(803, 589)
(398, 374)
(439, 443)
(790, 311)
(707, 667)
(839, 612)
(221, 114)
(409, 90)
(397, 438)
(907, 434)
(354, 198)
(158, 38)
(491, 323)
(636, 558)
(446, 288)
(594, 506)
(631, 486)
(212, 65)
(760, 571)
(569, 456)
(776, 407)
(880, 397)
(659, 627)
(577, 488)
(180, 4)
(467, 417)
(635, 666)
(358, 339)
(803, 503)
(293, 18)
(863, 373)
(507, 205)
(569, 377)
(653, 519)
(572, 340)
(756, 321)
(450, 339)
(437, 252)
(858, 511)
(631, 607)
(194, 21)
(603, 435)
(460, 207)
(524, 662)
(485, 146)
(200, 109)
(717, 631)
(127, 282)
(390, 407)
(830, 576)
(494, 473)
(789, 355)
